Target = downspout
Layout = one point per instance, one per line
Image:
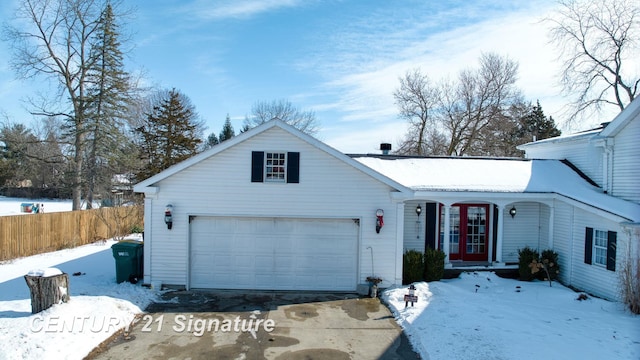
(608, 153)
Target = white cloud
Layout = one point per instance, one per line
(364, 91)
(235, 9)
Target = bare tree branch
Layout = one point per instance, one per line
(596, 39)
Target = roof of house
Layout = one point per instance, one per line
(632, 111)
(498, 176)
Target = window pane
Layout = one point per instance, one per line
(275, 167)
(600, 247)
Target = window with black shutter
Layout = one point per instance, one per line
(600, 248)
(275, 167)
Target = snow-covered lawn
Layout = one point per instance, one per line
(11, 206)
(483, 316)
(98, 306)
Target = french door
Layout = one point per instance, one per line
(468, 231)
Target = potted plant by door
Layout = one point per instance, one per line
(373, 285)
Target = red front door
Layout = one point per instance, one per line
(468, 231)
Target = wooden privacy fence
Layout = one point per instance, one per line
(26, 235)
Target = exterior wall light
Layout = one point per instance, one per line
(418, 210)
(379, 220)
(512, 211)
(168, 216)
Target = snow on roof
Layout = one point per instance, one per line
(498, 176)
(563, 138)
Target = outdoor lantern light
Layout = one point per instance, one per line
(379, 220)
(512, 212)
(419, 210)
(168, 216)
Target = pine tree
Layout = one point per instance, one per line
(106, 106)
(171, 133)
(536, 126)
(212, 140)
(227, 130)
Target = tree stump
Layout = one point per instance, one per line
(47, 290)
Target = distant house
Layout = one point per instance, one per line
(274, 208)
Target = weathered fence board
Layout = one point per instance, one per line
(26, 235)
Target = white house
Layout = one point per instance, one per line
(610, 157)
(274, 208)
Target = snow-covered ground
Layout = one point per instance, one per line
(483, 316)
(11, 206)
(98, 307)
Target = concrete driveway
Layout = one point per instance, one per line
(261, 325)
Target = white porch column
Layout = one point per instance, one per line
(500, 233)
(147, 236)
(399, 242)
(446, 238)
(552, 209)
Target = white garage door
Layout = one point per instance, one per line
(273, 253)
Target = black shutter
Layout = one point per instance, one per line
(257, 166)
(588, 245)
(293, 167)
(611, 250)
(430, 211)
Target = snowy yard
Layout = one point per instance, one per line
(482, 316)
(11, 206)
(98, 306)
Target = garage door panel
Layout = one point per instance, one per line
(283, 254)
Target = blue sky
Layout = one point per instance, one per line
(341, 59)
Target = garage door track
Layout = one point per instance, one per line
(261, 325)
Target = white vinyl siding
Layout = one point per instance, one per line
(580, 152)
(221, 186)
(563, 239)
(592, 278)
(414, 227)
(521, 230)
(626, 162)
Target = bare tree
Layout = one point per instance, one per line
(53, 39)
(597, 40)
(453, 117)
(263, 111)
(416, 98)
(480, 97)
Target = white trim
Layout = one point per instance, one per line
(148, 244)
(500, 236)
(399, 241)
(631, 112)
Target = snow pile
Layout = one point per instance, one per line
(482, 316)
(48, 272)
(98, 307)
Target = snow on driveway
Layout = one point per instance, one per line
(483, 316)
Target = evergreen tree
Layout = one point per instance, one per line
(536, 126)
(212, 140)
(227, 130)
(106, 107)
(54, 39)
(171, 133)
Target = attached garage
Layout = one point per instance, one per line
(273, 253)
